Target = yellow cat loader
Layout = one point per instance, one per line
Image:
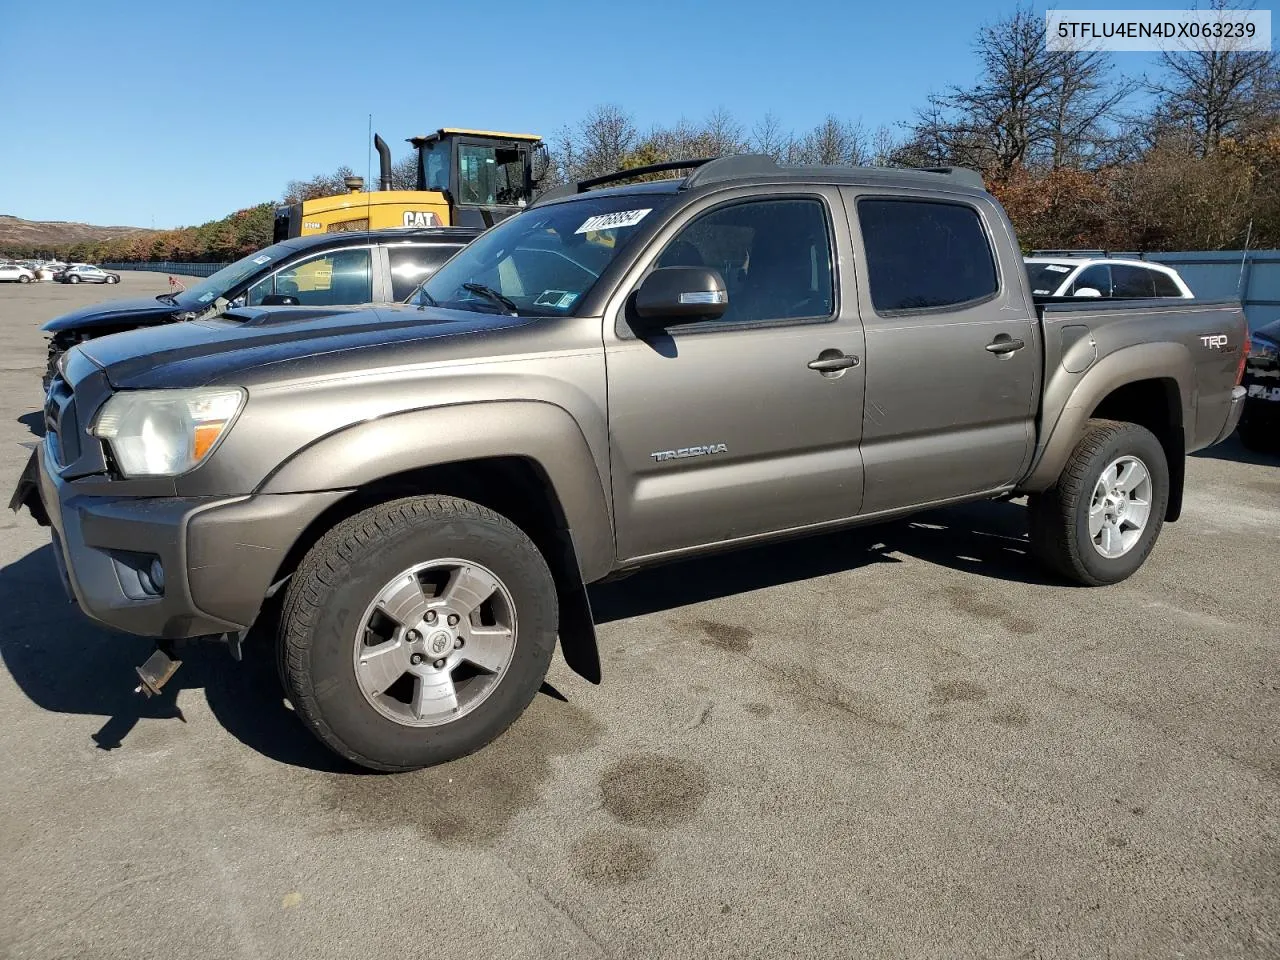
(465, 178)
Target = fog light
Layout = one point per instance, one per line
(157, 574)
(152, 578)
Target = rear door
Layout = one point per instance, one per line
(952, 354)
(719, 429)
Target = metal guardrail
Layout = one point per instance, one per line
(176, 267)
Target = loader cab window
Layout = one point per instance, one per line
(435, 165)
(491, 176)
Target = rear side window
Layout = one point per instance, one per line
(925, 255)
(410, 265)
(1097, 277)
(1165, 287)
(1131, 283)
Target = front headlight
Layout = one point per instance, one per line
(162, 433)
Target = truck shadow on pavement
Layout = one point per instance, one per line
(66, 664)
(1232, 449)
(986, 539)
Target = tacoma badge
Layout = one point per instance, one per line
(685, 452)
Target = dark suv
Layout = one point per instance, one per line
(332, 269)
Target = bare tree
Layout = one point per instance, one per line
(833, 142)
(1206, 96)
(321, 185)
(602, 141)
(1030, 106)
(884, 144)
(722, 134)
(768, 137)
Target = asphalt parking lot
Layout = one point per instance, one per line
(897, 742)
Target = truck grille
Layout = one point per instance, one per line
(61, 425)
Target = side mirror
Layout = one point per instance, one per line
(1087, 292)
(279, 300)
(681, 295)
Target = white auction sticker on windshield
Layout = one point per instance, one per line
(1056, 268)
(612, 221)
(262, 259)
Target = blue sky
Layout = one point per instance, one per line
(169, 114)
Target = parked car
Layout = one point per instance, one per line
(323, 270)
(86, 273)
(13, 273)
(1260, 422)
(613, 378)
(1103, 277)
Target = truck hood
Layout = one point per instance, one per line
(141, 309)
(278, 344)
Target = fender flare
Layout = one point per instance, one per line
(371, 450)
(1146, 361)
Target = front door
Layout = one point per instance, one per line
(952, 353)
(720, 429)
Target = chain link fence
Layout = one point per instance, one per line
(176, 267)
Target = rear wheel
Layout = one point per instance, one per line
(1098, 523)
(73, 279)
(416, 632)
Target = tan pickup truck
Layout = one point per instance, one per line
(615, 377)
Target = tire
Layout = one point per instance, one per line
(1258, 439)
(24, 279)
(73, 279)
(113, 279)
(327, 625)
(1060, 517)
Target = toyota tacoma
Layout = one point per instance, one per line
(618, 376)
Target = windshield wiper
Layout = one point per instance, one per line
(429, 300)
(167, 298)
(492, 295)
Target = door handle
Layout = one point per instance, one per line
(829, 361)
(1004, 344)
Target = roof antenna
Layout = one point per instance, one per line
(1244, 255)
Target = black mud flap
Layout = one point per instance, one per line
(27, 492)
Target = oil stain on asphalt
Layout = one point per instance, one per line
(956, 691)
(650, 790)
(964, 600)
(723, 636)
(475, 799)
(644, 793)
(612, 857)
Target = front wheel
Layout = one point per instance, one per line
(24, 279)
(416, 632)
(113, 279)
(1098, 523)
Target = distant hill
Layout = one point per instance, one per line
(18, 233)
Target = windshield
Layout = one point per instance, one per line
(1045, 278)
(216, 285)
(492, 176)
(542, 261)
